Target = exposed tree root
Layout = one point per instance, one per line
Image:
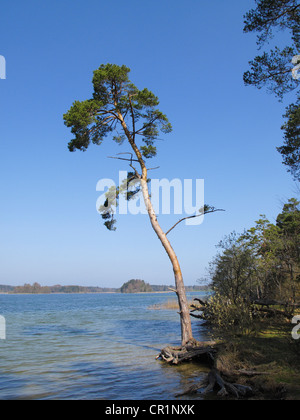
(175, 355)
(214, 382)
(204, 353)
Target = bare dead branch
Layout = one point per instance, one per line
(128, 160)
(152, 169)
(192, 217)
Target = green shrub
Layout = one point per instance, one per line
(226, 315)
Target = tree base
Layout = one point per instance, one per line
(214, 382)
(201, 352)
(204, 353)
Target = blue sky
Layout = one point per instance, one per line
(192, 55)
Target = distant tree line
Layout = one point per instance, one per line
(133, 286)
(36, 288)
(139, 286)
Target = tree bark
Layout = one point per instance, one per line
(185, 319)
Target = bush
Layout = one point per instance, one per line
(226, 315)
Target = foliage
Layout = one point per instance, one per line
(273, 69)
(136, 286)
(262, 264)
(232, 269)
(226, 315)
(36, 288)
(117, 104)
(115, 98)
(129, 188)
(290, 151)
(273, 14)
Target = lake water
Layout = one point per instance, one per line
(91, 346)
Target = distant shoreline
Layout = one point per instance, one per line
(132, 286)
(98, 293)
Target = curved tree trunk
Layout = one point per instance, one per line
(186, 325)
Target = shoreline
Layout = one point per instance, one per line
(100, 293)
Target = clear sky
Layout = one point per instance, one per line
(192, 54)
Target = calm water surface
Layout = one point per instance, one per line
(90, 346)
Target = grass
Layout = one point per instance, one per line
(272, 354)
(267, 350)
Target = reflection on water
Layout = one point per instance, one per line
(94, 346)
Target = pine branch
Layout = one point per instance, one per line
(192, 217)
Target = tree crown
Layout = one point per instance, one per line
(273, 68)
(277, 68)
(116, 102)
